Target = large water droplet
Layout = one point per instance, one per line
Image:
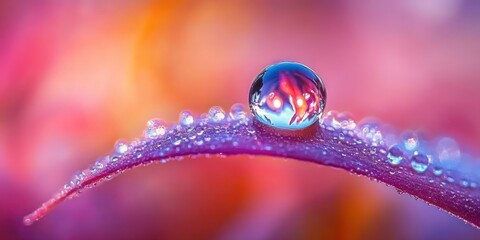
(419, 162)
(287, 95)
(395, 155)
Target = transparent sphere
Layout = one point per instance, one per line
(287, 95)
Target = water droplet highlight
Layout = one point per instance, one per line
(216, 114)
(177, 142)
(450, 179)
(155, 128)
(464, 183)
(287, 95)
(339, 120)
(186, 118)
(410, 141)
(121, 146)
(237, 111)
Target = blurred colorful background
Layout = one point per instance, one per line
(75, 76)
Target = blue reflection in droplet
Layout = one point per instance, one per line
(287, 95)
(419, 162)
(395, 155)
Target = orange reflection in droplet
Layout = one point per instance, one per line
(297, 100)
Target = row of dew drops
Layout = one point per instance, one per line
(369, 132)
(157, 128)
(406, 150)
(189, 129)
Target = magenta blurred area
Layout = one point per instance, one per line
(75, 76)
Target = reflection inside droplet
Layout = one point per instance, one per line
(395, 155)
(287, 95)
(419, 162)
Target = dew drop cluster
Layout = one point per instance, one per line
(437, 160)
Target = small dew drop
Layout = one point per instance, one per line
(99, 165)
(114, 158)
(395, 155)
(121, 146)
(186, 118)
(450, 179)
(448, 152)
(199, 142)
(155, 128)
(437, 171)
(419, 162)
(78, 178)
(237, 111)
(177, 142)
(339, 120)
(93, 171)
(216, 114)
(67, 186)
(410, 141)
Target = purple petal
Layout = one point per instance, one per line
(432, 171)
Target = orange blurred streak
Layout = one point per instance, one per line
(297, 101)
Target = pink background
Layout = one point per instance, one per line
(77, 75)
